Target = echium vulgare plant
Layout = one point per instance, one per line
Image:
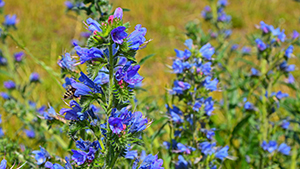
(192, 143)
(267, 124)
(104, 138)
(20, 125)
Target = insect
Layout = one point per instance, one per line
(69, 94)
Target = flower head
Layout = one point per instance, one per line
(3, 164)
(289, 51)
(211, 85)
(116, 125)
(260, 44)
(118, 13)
(295, 35)
(284, 149)
(118, 34)
(207, 51)
(67, 62)
(9, 84)
(137, 37)
(93, 25)
(10, 20)
(270, 147)
(179, 87)
(41, 155)
(30, 133)
(34, 77)
(175, 114)
(19, 56)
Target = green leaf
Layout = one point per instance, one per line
(142, 61)
(240, 125)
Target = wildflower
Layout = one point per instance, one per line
(48, 164)
(30, 133)
(285, 124)
(137, 37)
(118, 13)
(183, 55)
(74, 113)
(9, 84)
(209, 106)
(189, 43)
(41, 155)
(4, 95)
(3, 164)
(207, 51)
(270, 147)
(175, 114)
(179, 87)
(93, 25)
(248, 106)
(3, 61)
(86, 145)
(116, 125)
(206, 13)
(260, 44)
(102, 77)
(284, 149)
(209, 133)
(34, 77)
(286, 68)
(150, 161)
(10, 20)
(129, 74)
(177, 66)
(1, 132)
(246, 50)
(131, 154)
(2, 3)
(67, 62)
(19, 56)
(206, 68)
(264, 27)
(234, 47)
(181, 163)
(69, 5)
(86, 54)
(291, 79)
(289, 51)
(223, 2)
(207, 148)
(210, 85)
(280, 95)
(222, 153)
(295, 35)
(118, 34)
(254, 72)
(198, 104)
(79, 157)
(85, 34)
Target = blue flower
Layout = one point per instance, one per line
(48, 164)
(183, 55)
(2, 3)
(280, 95)
(79, 156)
(286, 68)
(189, 43)
(234, 47)
(177, 66)
(88, 82)
(118, 13)
(118, 34)
(179, 87)
(1, 132)
(206, 13)
(254, 72)
(295, 35)
(3, 164)
(88, 54)
(264, 27)
(210, 85)
(260, 44)
(181, 163)
(116, 125)
(270, 147)
(102, 77)
(285, 124)
(206, 68)
(249, 106)
(86, 145)
(137, 37)
(131, 154)
(10, 20)
(41, 155)
(3, 60)
(284, 149)
(30, 133)
(4, 95)
(198, 104)
(246, 50)
(19, 56)
(9, 84)
(209, 106)
(175, 114)
(68, 164)
(207, 51)
(74, 113)
(150, 162)
(67, 62)
(69, 4)
(93, 25)
(34, 77)
(289, 51)
(129, 74)
(291, 79)
(210, 133)
(207, 148)
(223, 153)
(223, 2)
